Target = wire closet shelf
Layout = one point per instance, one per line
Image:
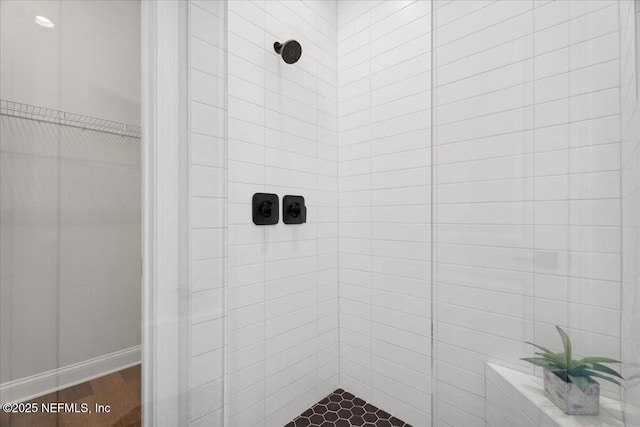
(48, 115)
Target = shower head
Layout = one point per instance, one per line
(290, 51)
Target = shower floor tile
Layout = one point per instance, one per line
(343, 409)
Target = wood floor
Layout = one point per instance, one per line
(120, 390)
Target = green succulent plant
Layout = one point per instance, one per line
(578, 371)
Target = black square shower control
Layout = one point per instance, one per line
(266, 209)
(294, 210)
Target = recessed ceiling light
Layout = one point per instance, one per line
(45, 22)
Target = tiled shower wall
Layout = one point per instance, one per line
(384, 204)
(630, 160)
(527, 188)
(527, 193)
(282, 283)
(207, 210)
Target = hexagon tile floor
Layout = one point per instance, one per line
(343, 409)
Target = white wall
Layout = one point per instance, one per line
(630, 162)
(70, 198)
(384, 206)
(526, 193)
(527, 188)
(89, 63)
(526, 149)
(207, 210)
(282, 282)
(70, 217)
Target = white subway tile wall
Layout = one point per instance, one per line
(384, 100)
(630, 164)
(207, 210)
(526, 188)
(283, 279)
(527, 199)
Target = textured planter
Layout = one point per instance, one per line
(569, 397)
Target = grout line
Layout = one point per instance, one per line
(533, 183)
(370, 125)
(317, 285)
(622, 198)
(338, 232)
(525, 59)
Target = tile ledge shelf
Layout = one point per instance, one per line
(522, 396)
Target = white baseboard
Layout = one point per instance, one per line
(57, 379)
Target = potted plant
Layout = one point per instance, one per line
(569, 383)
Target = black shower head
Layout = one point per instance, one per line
(290, 50)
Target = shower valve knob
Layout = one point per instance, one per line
(265, 208)
(295, 209)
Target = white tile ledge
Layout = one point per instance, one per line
(527, 400)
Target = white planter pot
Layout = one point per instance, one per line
(569, 397)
